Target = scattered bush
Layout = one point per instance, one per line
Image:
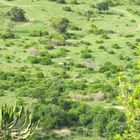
(45, 60)
(7, 35)
(86, 53)
(59, 24)
(33, 59)
(38, 33)
(58, 40)
(67, 8)
(103, 6)
(115, 46)
(17, 14)
(60, 1)
(73, 2)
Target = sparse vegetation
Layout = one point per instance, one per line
(61, 59)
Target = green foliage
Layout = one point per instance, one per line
(67, 8)
(103, 6)
(73, 2)
(7, 35)
(38, 33)
(131, 103)
(130, 100)
(45, 59)
(33, 59)
(59, 24)
(17, 14)
(103, 119)
(60, 1)
(15, 123)
(88, 14)
(57, 40)
(70, 68)
(110, 68)
(86, 53)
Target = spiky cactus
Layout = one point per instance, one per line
(15, 123)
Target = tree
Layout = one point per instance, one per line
(131, 102)
(17, 14)
(59, 24)
(60, 1)
(57, 40)
(103, 6)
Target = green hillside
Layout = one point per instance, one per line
(62, 60)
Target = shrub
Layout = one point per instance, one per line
(59, 24)
(104, 118)
(99, 41)
(7, 35)
(115, 46)
(88, 14)
(111, 52)
(2, 93)
(17, 14)
(73, 2)
(49, 47)
(33, 59)
(104, 36)
(109, 67)
(127, 58)
(102, 47)
(62, 52)
(40, 75)
(58, 40)
(103, 6)
(67, 8)
(86, 53)
(60, 1)
(38, 33)
(85, 43)
(113, 128)
(45, 60)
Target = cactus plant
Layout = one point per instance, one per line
(15, 123)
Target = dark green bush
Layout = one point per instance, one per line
(73, 2)
(86, 53)
(103, 119)
(115, 46)
(59, 24)
(17, 14)
(7, 35)
(60, 1)
(109, 67)
(38, 33)
(103, 6)
(33, 59)
(45, 60)
(67, 8)
(58, 40)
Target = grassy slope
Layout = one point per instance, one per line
(38, 17)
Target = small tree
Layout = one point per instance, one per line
(17, 14)
(131, 102)
(103, 6)
(59, 24)
(60, 1)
